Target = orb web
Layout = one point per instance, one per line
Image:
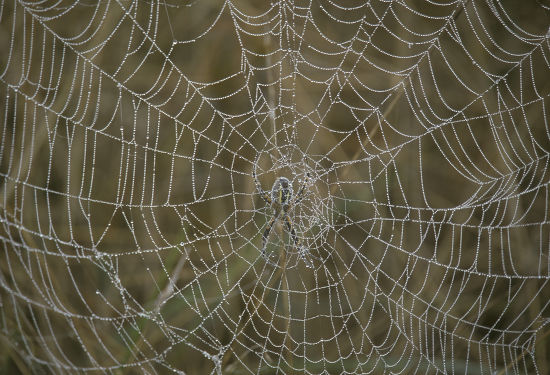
(132, 226)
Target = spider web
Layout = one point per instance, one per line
(131, 225)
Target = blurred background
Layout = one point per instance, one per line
(132, 226)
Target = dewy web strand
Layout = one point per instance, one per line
(283, 187)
